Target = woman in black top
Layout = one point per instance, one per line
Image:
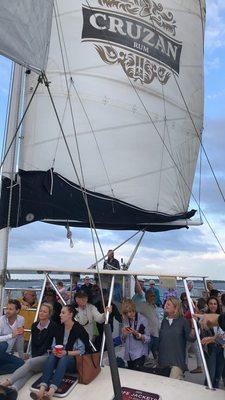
(212, 346)
(74, 341)
(43, 332)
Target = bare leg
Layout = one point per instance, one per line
(6, 383)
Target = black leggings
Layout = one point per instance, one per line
(136, 364)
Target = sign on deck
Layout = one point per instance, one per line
(134, 394)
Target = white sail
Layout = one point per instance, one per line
(25, 27)
(135, 76)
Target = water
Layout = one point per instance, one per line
(36, 284)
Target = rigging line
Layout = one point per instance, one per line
(213, 231)
(93, 133)
(202, 21)
(81, 103)
(200, 139)
(200, 181)
(91, 221)
(190, 190)
(4, 142)
(167, 146)
(169, 140)
(21, 121)
(147, 112)
(160, 136)
(7, 113)
(116, 248)
(76, 140)
(84, 193)
(68, 92)
(161, 164)
(59, 135)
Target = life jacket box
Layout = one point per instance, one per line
(133, 394)
(67, 385)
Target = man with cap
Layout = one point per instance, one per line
(154, 290)
(87, 288)
(139, 295)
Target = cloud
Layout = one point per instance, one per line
(181, 251)
(5, 66)
(212, 65)
(215, 27)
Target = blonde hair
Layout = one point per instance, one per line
(178, 307)
(128, 305)
(49, 306)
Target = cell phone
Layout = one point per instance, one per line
(220, 340)
(128, 329)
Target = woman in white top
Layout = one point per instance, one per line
(87, 314)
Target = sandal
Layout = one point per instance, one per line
(46, 397)
(34, 396)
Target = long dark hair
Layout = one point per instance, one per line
(218, 304)
(72, 310)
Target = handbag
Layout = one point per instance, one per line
(88, 367)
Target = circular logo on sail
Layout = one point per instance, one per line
(137, 34)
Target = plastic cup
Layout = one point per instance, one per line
(22, 330)
(58, 349)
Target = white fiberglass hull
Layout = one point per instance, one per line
(169, 389)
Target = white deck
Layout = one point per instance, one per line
(169, 389)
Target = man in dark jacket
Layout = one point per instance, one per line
(111, 262)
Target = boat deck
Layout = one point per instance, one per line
(169, 389)
(190, 388)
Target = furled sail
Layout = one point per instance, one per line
(25, 27)
(126, 78)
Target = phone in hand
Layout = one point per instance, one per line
(128, 329)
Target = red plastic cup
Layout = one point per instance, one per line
(22, 330)
(58, 349)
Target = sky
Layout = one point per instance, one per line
(195, 250)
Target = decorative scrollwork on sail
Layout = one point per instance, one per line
(136, 67)
(158, 15)
(145, 8)
(132, 7)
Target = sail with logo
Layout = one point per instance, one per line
(116, 120)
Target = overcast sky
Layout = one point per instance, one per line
(195, 250)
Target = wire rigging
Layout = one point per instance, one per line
(161, 138)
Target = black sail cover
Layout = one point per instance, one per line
(40, 196)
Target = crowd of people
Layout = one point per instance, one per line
(151, 326)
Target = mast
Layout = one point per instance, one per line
(9, 166)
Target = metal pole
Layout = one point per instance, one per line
(135, 251)
(9, 167)
(115, 248)
(107, 318)
(71, 291)
(2, 300)
(205, 285)
(123, 286)
(197, 334)
(113, 365)
(55, 288)
(38, 308)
